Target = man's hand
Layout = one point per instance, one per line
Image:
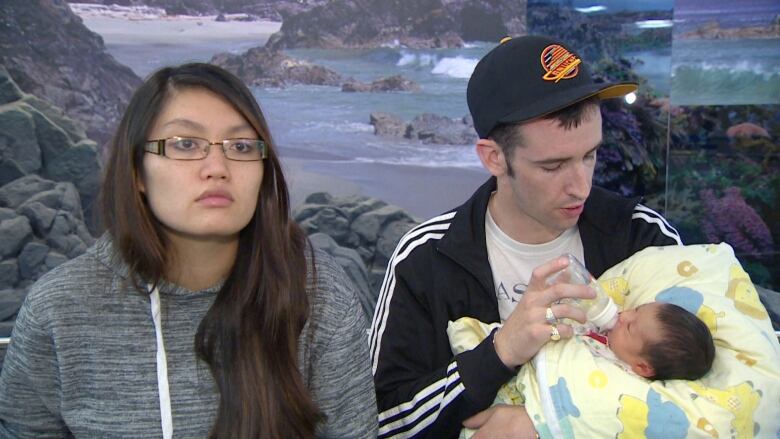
(502, 421)
(526, 330)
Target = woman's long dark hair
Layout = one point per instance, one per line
(249, 337)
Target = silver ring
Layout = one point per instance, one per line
(554, 334)
(549, 316)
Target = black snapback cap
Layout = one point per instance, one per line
(527, 77)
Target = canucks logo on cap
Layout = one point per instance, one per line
(559, 63)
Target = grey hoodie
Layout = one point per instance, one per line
(82, 358)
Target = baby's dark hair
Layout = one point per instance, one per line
(686, 349)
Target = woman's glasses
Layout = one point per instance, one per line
(195, 148)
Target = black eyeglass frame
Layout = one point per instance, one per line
(157, 146)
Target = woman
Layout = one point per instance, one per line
(201, 312)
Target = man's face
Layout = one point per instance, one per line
(552, 176)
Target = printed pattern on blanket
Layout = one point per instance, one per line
(571, 389)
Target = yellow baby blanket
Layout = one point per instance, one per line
(572, 389)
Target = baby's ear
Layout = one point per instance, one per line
(643, 369)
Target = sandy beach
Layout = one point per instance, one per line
(145, 38)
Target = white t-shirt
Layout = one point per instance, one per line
(512, 262)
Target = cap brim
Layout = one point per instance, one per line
(551, 104)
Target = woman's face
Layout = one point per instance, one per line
(207, 199)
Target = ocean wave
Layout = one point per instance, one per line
(117, 11)
(341, 127)
(726, 67)
(411, 59)
(457, 67)
(724, 86)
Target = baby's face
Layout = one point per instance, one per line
(635, 328)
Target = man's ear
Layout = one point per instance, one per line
(492, 157)
(643, 369)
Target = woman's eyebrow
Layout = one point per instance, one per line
(186, 123)
(239, 128)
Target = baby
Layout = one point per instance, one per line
(662, 341)
(657, 340)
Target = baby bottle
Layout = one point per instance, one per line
(601, 311)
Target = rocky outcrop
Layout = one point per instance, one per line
(36, 138)
(427, 128)
(46, 162)
(266, 67)
(418, 24)
(598, 36)
(349, 259)
(713, 31)
(391, 83)
(370, 228)
(51, 54)
(41, 226)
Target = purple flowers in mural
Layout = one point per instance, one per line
(732, 220)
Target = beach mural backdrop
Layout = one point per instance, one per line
(723, 181)
(366, 100)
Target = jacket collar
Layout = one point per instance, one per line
(465, 244)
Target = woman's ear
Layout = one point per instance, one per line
(140, 183)
(492, 157)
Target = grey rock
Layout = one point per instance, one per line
(5, 331)
(79, 165)
(6, 213)
(54, 259)
(356, 205)
(319, 198)
(62, 238)
(328, 220)
(354, 267)
(265, 67)
(9, 273)
(370, 227)
(433, 128)
(369, 224)
(63, 196)
(417, 24)
(52, 140)
(50, 53)
(74, 129)
(391, 83)
(30, 260)
(40, 216)
(14, 234)
(17, 139)
(388, 239)
(20, 190)
(9, 171)
(9, 307)
(388, 125)
(9, 91)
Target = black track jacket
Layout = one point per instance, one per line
(440, 272)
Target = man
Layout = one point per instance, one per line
(536, 110)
